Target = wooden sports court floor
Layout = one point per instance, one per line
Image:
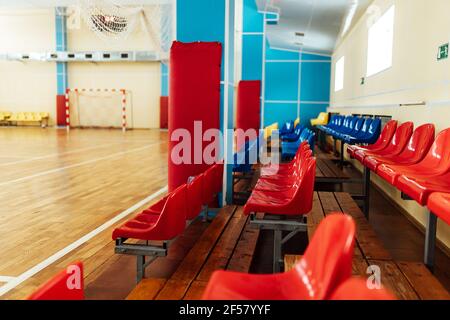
(62, 193)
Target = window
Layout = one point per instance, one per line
(339, 74)
(381, 41)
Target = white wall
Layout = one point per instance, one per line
(27, 86)
(420, 28)
(31, 86)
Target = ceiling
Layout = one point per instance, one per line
(66, 3)
(321, 21)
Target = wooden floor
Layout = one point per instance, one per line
(58, 187)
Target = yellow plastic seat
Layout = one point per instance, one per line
(44, 115)
(296, 122)
(270, 129)
(321, 120)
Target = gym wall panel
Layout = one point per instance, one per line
(415, 76)
(290, 79)
(282, 81)
(310, 111)
(279, 112)
(28, 86)
(194, 96)
(252, 57)
(253, 20)
(315, 84)
(248, 105)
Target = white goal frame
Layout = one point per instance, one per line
(123, 92)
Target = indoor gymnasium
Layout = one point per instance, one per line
(224, 150)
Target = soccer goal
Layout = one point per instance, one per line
(98, 108)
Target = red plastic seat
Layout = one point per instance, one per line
(295, 201)
(382, 142)
(271, 169)
(417, 148)
(195, 197)
(421, 187)
(326, 264)
(66, 285)
(356, 289)
(168, 225)
(282, 182)
(395, 147)
(436, 162)
(439, 204)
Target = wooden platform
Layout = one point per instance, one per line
(407, 280)
(326, 169)
(227, 244)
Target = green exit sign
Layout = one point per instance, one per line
(443, 52)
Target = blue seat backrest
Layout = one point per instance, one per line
(375, 126)
(365, 127)
(359, 124)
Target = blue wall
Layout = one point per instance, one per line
(283, 83)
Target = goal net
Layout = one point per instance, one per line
(98, 108)
(113, 21)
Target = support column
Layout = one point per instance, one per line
(61, 67)
(430, 241)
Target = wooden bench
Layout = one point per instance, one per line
(407, 280)
(227, 244)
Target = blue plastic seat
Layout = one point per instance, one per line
(287, 128)
(368, 135)
(242, 162)
(289, 149)
(349, 125)
(293, 136)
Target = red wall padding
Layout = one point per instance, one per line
(194, 96)
(164, 112)
(61, 110)
(248, 105)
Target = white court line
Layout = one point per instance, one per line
(6, 279)
(54, 155)
(43, 173)
(61, 253)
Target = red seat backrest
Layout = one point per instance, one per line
(172, 220)
(301, 193)
(357, 289)
(420, 143)
(400, 139)
(195, 197)
(437, 160)
(386, 134)
(327, 262)
(66, 285)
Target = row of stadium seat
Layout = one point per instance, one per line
(24, 117)
(416, 163)
(290, 141)
(166, 220)
(323, 273)
(353, 130)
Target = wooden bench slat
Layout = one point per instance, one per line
(242, 257)
(329, 202)
(196, 290)
(394, 280)
(315, 216)
(370, 244)
(222, 252)
(147, 289)
(423, 281)
(196, 257)
(327, 172)
(335, 169)
(173, 290)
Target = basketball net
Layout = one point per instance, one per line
(113, 23)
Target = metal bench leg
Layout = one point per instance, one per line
(342, 155)
(366, 192)
(140, 270)
(430, 241)
(277, 238)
